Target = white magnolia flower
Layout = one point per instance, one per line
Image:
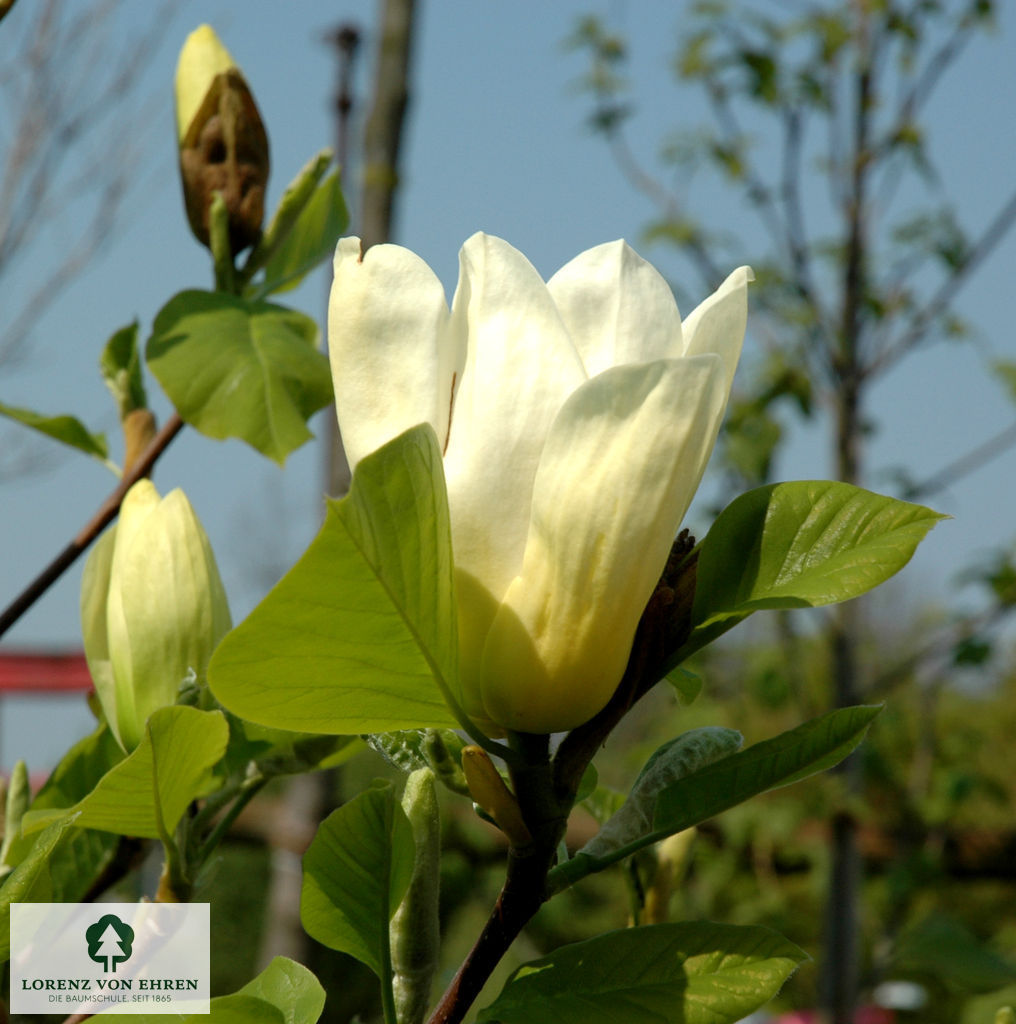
(153, 608)
(577, 418)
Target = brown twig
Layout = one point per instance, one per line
(104, 515)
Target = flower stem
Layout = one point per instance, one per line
(104, 515)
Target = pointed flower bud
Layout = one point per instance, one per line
(153, 608)
(223, 145)
(576, 418)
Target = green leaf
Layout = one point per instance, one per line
(146, 794)
(437, 749)
(66, 429)
(797, 545)
(361, 635)
(788, 758)
(283, 993)
(282, 752)
(355, 874)
(702, 794)
(237, 1008)
(290, 987)
(235, 368)
(120, 364)
(311, 239)
(30, 881)
(689, 973)
(84, 853)
(688, 753)
(686, 685)
(1006, 372)
(942, 948)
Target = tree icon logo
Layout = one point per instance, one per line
(109, 942)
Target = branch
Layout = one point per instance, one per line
(946, 293)
(104, 515)
(964, 465)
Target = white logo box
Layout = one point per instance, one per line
(110, 958)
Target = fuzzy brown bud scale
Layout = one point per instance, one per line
(225, 150)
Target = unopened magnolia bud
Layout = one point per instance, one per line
(672, 857)
(222, 140)
(490, 793)
(153, 608)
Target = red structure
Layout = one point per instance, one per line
(38, 672)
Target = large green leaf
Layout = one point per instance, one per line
(689, 973)
(66, 429)
(700, 795)
(355, 873)
(310, 240)
(146, 794)
(235, 368)
(801, 544)
(360, 636)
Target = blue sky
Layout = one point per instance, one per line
(496, 142)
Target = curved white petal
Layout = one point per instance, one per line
(617, 307)
(717, 324)
(520, 367)
(393, 357)
(622, 462)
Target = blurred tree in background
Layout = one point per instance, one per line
(74, 144)
(818, 129)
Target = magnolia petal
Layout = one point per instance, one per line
(717, 324)
(202, 58)
(519, 369)
(138, 505)
(393, 358)
(94, 629)
(617, 307)
(620, 467)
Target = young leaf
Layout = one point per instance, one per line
(146, 794)
(355, 874)
(30, 881)
(360, 636)
(310, 240)
(234, 368)
(810, 748)
(120, 364)
(412, 749)
(83, 853)
(689, 973)
(688, 753)
(66, 429)
(702, 794)
(798, 545)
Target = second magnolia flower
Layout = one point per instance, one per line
(576, 418)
